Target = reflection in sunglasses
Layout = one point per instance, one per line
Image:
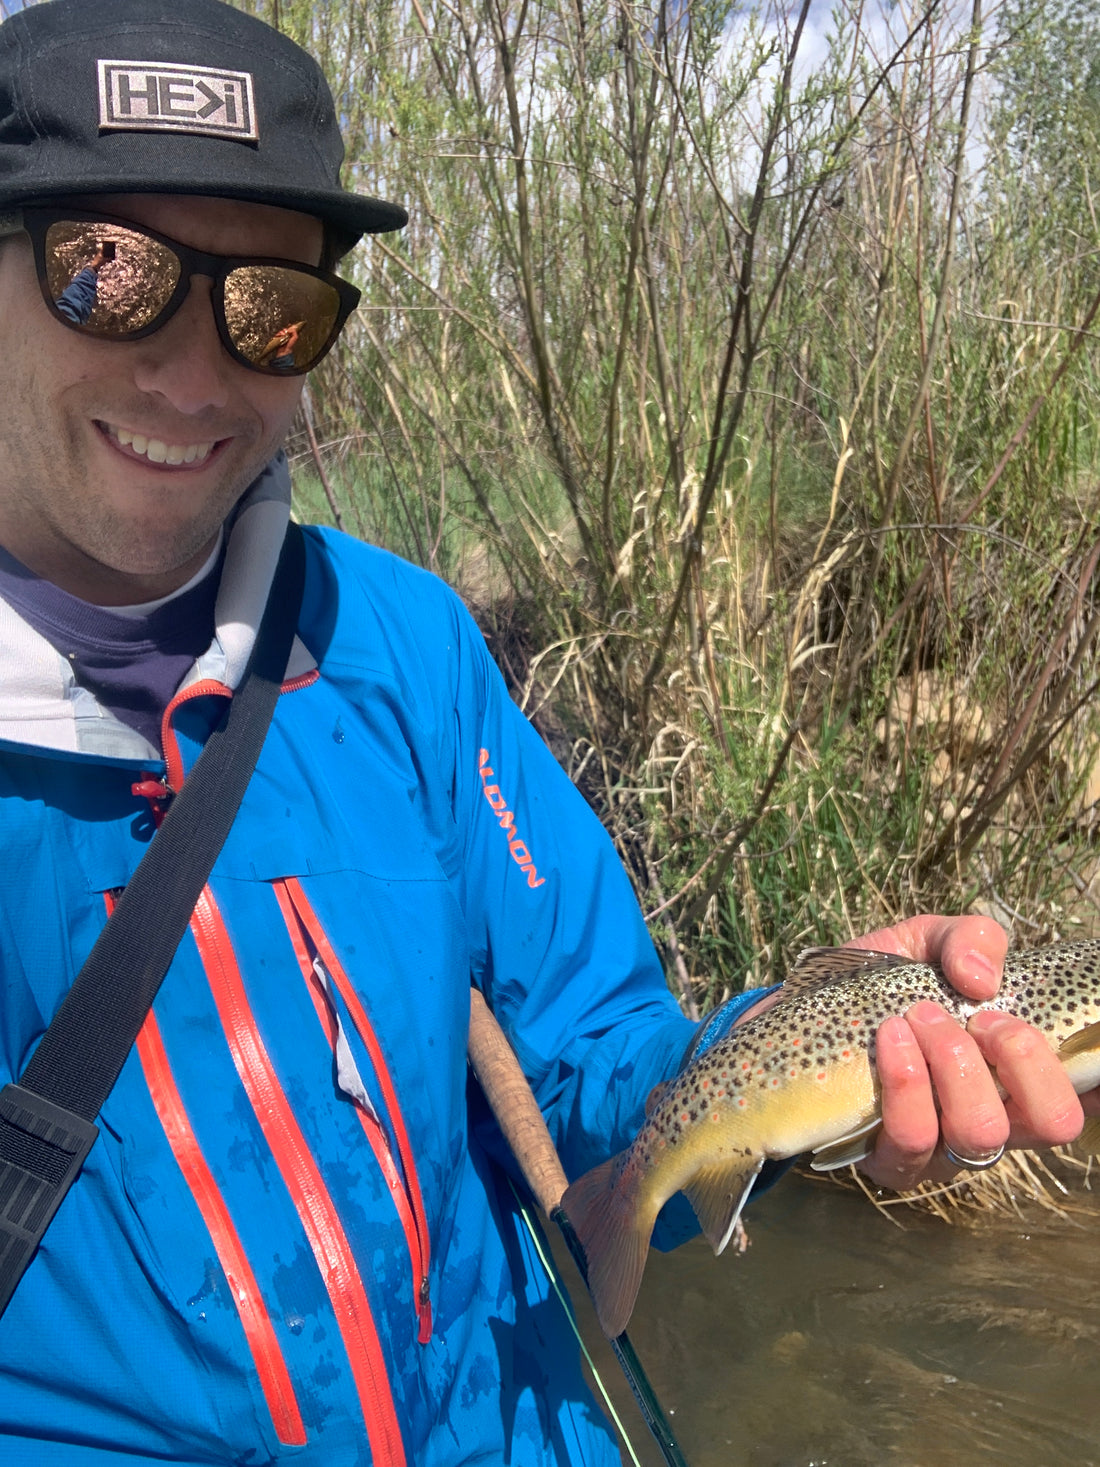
(268, 306)
(130, 289)
(278, 354)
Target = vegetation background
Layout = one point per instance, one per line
(738, 365)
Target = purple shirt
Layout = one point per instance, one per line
(133, 665)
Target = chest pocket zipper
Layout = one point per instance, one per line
(326, 979)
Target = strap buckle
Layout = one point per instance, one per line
(42, 1148)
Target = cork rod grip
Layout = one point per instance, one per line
(516, 1110)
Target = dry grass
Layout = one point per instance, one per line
(1053, 1182)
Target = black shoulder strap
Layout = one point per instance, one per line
(46, 1127)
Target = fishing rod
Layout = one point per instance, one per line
(517, 1113)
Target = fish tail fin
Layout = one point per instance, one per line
(614, 1229)
(1089, 1139)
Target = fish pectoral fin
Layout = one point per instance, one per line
(819, 967)
(718, 1194)
(1089, 1139)
(1080, 1054)
(847, 1150)
(1085, 1041)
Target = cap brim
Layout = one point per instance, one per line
(352, 215)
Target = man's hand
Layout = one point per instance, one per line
(936, 1082)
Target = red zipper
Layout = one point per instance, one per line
(245, 1292)
(158, 791)
(206, 687)
(302, 1177)
(406, 1194)
(259, 1332)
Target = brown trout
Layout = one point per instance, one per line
(801, 1078)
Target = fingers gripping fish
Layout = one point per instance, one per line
(800, 1078)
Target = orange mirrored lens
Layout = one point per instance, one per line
(134, 276)
(279, 318)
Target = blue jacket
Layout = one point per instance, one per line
(289, 1242)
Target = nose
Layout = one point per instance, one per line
(185, 362)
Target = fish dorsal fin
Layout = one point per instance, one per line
(718, 1194)
(847, 1150)
(1085, 1041)
(1089, 1139)
(818, 967)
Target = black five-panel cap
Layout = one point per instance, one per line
(170, 96)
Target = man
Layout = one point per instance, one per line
(289, 1239)
(78, 300)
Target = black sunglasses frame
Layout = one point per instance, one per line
(36, 221)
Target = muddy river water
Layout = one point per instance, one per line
(841, 1340)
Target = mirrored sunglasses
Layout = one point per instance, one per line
(116, 280)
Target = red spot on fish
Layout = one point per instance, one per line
(846, 1054)
(747, 1066)
(821, 1074)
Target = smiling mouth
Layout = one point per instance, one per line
(156, 451)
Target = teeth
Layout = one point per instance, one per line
(158, 452)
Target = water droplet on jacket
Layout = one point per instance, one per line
(337, 733)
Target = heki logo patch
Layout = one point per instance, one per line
(140, 96)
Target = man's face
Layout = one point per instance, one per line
(79, 503)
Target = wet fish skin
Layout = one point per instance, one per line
(799, 1078)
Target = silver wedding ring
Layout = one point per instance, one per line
(980, 1163)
